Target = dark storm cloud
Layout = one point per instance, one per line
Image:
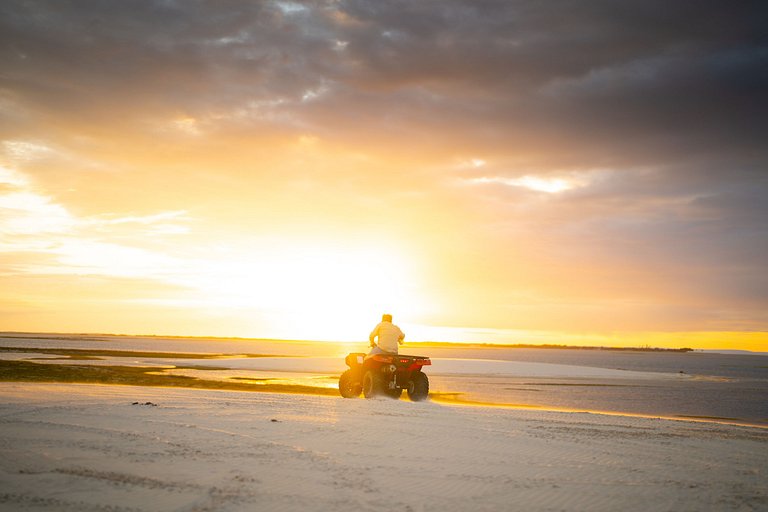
(104, 59)
(635, 67)
(496, 45)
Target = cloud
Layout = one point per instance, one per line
(532, 72)
(551, 183)
(23, 212)
(32, 223)
(25, 151)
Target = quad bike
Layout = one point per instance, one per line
(384, 374)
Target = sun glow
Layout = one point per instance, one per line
(314, 292)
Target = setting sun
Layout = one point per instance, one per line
(309, 291)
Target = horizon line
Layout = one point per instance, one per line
(436, 344)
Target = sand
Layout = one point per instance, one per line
(86, 447)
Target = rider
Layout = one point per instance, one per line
(389, 336)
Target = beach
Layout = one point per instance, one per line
(91, 447)
(220, 425)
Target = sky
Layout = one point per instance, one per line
(512, 171)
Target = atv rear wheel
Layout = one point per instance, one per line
(371, 384)
(348, 387)
(418, 387)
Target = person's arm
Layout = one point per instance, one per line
(374, 333)
(401, 337)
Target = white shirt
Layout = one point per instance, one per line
(389, 335)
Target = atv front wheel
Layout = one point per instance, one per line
(371, 384)
(418, 387)
(347, 385)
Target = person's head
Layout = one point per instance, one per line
(386, 318)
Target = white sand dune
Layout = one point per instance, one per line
(85, 447)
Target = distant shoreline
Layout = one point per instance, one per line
(430, 344)
(441, 344)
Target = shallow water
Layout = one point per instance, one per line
(734, 400)
(725, 386)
